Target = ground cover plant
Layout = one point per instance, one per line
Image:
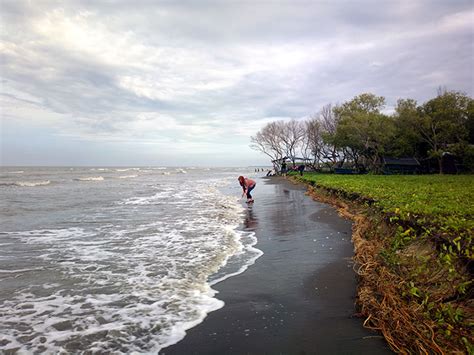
(423, 227)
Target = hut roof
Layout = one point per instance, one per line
(290, 158)
(401, 161)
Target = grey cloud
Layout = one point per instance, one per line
(272, 22)
(392, 48)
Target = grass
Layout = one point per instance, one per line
(424, 226)
(442, 197)
(442, 204)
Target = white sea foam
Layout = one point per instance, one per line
(15, 172)
(164, 194)
(181, 171)
(248, 252)
(127, 169)
(127, 176)
(26, 183)
(19, 270)
(124, 286)
(91, 178)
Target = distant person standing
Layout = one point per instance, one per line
(301, 169)
(283, 168)
(247, 186)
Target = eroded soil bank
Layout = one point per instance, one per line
(407, 293)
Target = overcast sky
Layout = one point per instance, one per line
(187, 83)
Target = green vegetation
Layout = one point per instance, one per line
(447, 199)
(425, 227)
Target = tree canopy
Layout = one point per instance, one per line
(358, 133)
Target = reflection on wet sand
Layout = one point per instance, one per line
(251, 220)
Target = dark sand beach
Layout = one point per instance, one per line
(298, 298)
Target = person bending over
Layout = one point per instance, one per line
(247, 186)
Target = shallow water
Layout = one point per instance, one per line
(117, 259)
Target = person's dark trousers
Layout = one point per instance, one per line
(249, 196)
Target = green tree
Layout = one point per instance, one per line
(363, 131)
(407, 140)
(470, 121)
(444, 122)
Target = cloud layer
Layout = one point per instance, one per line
(149, 83)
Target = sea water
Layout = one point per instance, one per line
(115, 259)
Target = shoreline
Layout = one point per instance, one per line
(298, 297)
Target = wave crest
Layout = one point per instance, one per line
(90, 178)
(26, 183)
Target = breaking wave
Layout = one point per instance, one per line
(26, 183)
(91, 178)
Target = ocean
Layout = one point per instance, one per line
(115, 259)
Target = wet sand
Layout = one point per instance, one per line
(298, 298)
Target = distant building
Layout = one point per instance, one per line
(344, 171)
(401, 165)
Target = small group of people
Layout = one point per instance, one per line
(300, 168)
